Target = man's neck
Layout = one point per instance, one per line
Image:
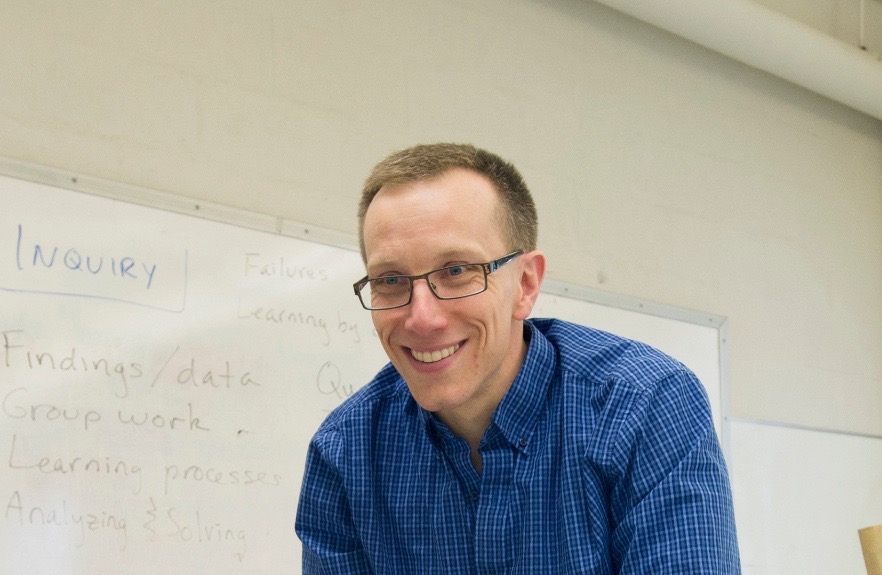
(471, 423)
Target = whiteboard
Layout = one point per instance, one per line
(161, 375)
(800, 497)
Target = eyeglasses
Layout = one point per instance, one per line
(451, 282)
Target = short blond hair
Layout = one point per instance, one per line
(427, 161)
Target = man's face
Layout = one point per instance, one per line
(458, 357)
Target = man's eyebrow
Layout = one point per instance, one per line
(465, 255)
(458, 254)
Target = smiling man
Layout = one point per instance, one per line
(492, 443)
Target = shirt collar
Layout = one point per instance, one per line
(519, 410)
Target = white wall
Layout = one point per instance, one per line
(661, 170)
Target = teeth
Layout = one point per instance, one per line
(433, 356)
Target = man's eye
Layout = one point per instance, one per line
(456, 270)
(391, 281)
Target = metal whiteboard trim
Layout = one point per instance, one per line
(147, 197)
(321, 235)
(174, 203)
(796, 426)
(621, 301)
(725, 405)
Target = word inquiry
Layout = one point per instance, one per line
(36, 255)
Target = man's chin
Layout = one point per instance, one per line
(434, 396)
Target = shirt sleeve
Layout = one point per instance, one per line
(672, 507)
(331, 545)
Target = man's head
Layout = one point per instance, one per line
(517, 213)
(457, 356)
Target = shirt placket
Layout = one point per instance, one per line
(494, 535)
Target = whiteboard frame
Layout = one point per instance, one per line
(277, 225)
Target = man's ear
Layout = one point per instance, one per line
(532, 266)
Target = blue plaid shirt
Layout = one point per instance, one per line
(602, 458)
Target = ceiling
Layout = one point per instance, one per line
(831, 47)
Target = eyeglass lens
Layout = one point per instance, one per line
(447, 283)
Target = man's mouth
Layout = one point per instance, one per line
(433, 356)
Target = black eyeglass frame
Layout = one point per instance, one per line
(487, 267)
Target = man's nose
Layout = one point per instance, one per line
(425, 309)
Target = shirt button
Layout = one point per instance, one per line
(475, 495)
(522, 442)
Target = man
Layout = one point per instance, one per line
(492, 443)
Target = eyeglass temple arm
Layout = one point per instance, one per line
(495, 265)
